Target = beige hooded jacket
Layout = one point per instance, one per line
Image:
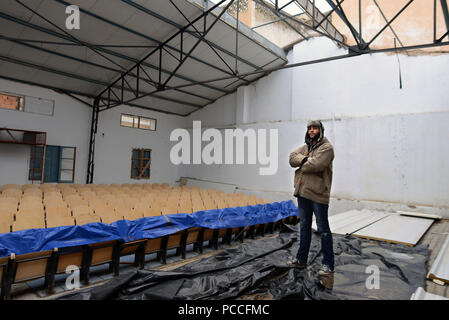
(313, 179)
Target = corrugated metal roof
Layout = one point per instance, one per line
(114, 35)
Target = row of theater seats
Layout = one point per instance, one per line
(46, 206)
(47, 264)
(66, 199)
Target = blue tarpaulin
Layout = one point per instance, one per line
(35, 240)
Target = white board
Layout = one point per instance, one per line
(39, 105)
(440, 267)
(351, 221)
(396, 228)
(421, 294)
(420, 215)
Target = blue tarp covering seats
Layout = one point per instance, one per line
(35, 240)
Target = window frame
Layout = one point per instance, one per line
(60, 164)
(138, 122)
(32, 165)
(141, 166)
(21, 107)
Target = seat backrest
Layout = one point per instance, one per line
(31, 206)
(31, 211)
(31, 265)
(59, 221)
(34, 192)
(130, 214)
(210, 205)
(169, 210)
(57, 211)
(141, 206)
(53, 202)
(28, 222)
(10, 186)
(87, 194)
(52, 194)
(96, 203)
(152, 212)
(30, 199)
(81, 210)
(185, 209)
(5, 226)
(109, 216)
(11, 205)
(12, 193)
(86, 218)
(68, 192)
(102, 209)
(7, 214)
(76, 202)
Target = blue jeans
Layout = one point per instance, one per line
(306, 209)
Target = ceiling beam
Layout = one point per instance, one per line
(110, 52)
(86, 79)
(162, 84)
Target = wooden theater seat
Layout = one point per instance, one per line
(86, 219)
(8, 206)
(10, 186)
(108, 215)
(12, 193)
(152, 212)
(58, 211)
(81, 210)
(60, 221)
(75, 201)
(24, 222)
(53, 202)
(30, 201)
(134, 214)
(31, 212)
(5, 225)
(32, 192)
(10, 200)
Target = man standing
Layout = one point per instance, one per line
(313, 180)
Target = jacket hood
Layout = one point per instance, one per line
(316, 123)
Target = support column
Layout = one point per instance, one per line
(93, 131)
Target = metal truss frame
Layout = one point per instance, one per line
(160, 84)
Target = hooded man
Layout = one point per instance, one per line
(313, 180)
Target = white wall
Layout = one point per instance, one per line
(390, 143)
(69, 126)
(113, 149)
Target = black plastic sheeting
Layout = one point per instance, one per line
(257, 270)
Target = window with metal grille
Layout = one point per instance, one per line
(131, 121)
(140, 164)
(12, 102)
